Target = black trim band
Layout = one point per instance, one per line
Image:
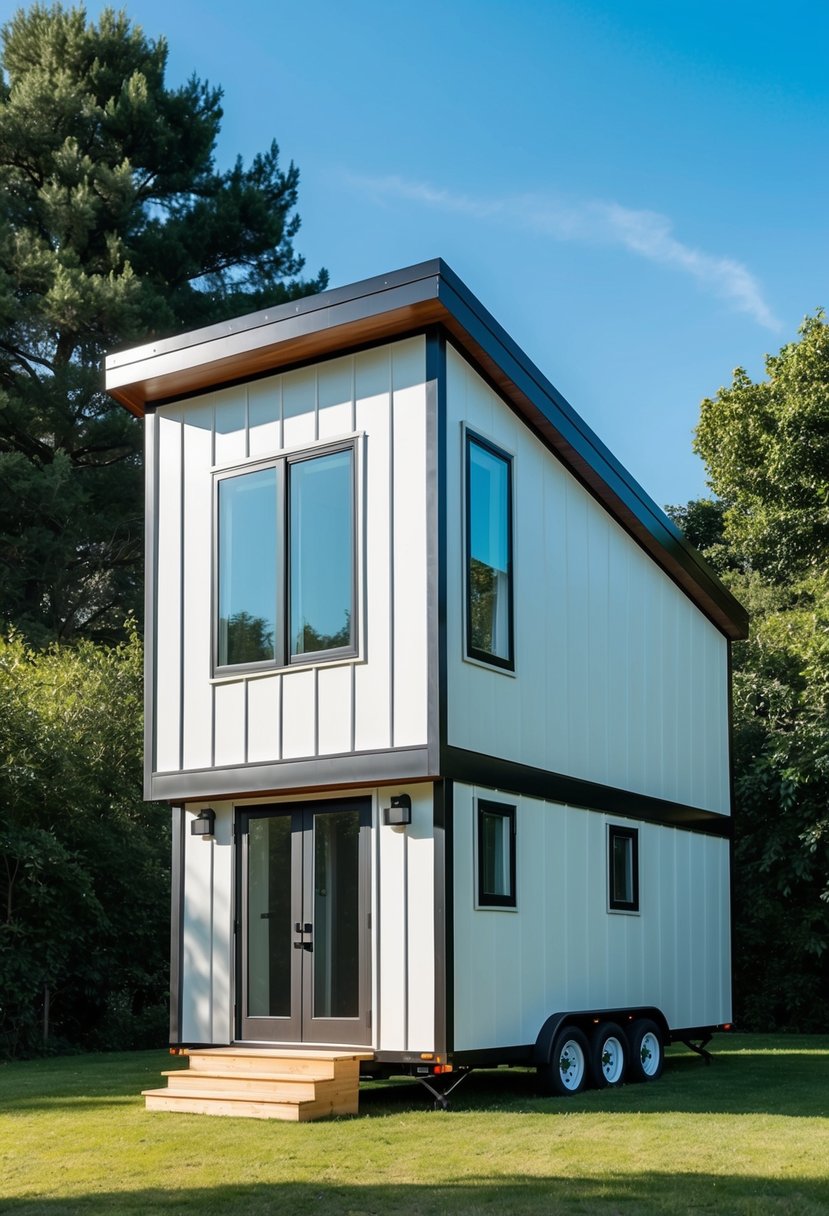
(475, 768)
(444, 917)
(177, 923)
(436, 538)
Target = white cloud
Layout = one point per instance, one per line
(644, 233)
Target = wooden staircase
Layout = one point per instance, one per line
(255, 1083)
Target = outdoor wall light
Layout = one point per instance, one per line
(204, 823)
(399, 814)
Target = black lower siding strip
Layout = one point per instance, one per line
(475, 768)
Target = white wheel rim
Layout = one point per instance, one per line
(571, 1065)
(613, 1060)
(649, 1053)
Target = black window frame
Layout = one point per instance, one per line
(614, 832)
(282, 643)
(504, 811)
(473, 652)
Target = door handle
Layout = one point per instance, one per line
(302, 930)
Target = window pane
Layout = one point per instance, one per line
(247, 567)
(336, 914)
(489, 553)
(495, 844)
(269, 917)
(496, 856)
(321, 548)
(622, 869)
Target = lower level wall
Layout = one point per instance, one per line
(562, 949)
(402, 923)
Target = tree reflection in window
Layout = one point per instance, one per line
(489, 554)
(249, 638)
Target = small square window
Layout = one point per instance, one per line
(496, 855)
(623, 869)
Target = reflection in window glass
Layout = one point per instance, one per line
(321, 553)
(337, 915)
(269, 917)
(489, 554)
(247, 568)
(622, 869)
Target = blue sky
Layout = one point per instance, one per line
(636, 190)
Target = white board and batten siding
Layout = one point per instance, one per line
(619, 678)
(402, 920)
(374, 703)
(208, 909)
(562, 949)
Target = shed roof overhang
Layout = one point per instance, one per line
(391, 306)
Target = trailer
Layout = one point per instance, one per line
(439, 698)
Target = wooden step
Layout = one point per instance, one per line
(262, 1083)
(244, 1106)
(283, 1087)
(323, 1064)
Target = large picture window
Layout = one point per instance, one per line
(285, 561)
(496, 855)
(623, 869)
(489, 632)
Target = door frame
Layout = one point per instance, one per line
(301, 1028)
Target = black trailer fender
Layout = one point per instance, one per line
(586, 1019)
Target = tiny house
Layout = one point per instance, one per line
(438, 695)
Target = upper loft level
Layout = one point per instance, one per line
(380, 543)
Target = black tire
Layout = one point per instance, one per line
(568, 1070)
(609, 1054)
(647, 1052)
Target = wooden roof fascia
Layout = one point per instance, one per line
(390, 306)
(290, 333)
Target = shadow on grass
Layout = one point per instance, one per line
(792, 1084)
(643, 1194)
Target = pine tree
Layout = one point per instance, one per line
(115, 227)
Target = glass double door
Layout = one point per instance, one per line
(304, 955)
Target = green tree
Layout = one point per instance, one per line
(115, 226)
(766, 446)
(84, 863)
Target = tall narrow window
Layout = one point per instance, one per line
(247, 568)
(496, 855)
(488, 554)
(623, 869)
(285, 561)
(322, 553)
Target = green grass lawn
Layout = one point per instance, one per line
(748, 1135)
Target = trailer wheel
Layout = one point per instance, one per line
(608, 1055)
(646, 1051)
(566, 1072)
